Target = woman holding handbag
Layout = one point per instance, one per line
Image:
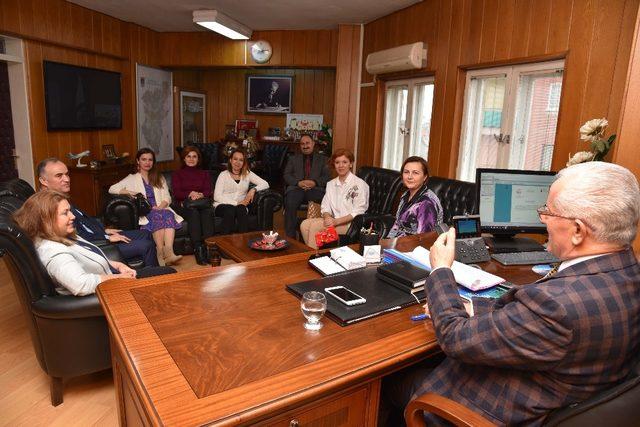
(192, 192)
(161, 221)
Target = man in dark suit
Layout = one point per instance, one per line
(54, 175)
(560, 340)
(305, 175)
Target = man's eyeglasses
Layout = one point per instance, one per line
(544, 210)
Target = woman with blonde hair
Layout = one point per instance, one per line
(76, 265)
(162, 221)
(346, 196)
(232, 195)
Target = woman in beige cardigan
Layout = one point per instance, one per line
(162, 221)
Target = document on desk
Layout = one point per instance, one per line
(469, 277)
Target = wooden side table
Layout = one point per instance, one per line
(90, 185)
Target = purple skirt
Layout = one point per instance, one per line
(159, 219)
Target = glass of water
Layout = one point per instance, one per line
(313, 305)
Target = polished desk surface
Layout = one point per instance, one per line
(236, 246)
(227, 344)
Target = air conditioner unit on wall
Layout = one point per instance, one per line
(401, 58)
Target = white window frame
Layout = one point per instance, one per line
(512, 74)
(411, 105)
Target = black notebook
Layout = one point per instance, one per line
(381, 297)
(405, 272)
(418, 290)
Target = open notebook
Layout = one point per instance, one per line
(469, 277)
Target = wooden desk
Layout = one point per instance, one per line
(226, 346)
(236, 246)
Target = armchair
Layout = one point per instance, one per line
(456, 197)
(69, 334)
(616, 406)
(384, 189)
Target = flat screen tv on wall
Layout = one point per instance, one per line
(81, 98)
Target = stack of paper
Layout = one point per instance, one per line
(348, 258)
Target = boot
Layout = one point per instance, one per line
(169, 257)
(160, 255)
(202, 257)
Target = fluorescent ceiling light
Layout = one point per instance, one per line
(222, 24)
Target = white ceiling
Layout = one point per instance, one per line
(175, 15)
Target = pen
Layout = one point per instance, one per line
(420, 317)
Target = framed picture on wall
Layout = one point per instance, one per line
(193, 113)
(269, 94)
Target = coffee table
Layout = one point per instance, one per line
(236, 247)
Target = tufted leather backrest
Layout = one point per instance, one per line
(384, 185)
(456, 197)
(210, 154)
(17, 187)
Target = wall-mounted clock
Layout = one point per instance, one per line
(261, 51)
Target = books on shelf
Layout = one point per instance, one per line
(467, 276)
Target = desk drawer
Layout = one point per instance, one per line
(356, 407)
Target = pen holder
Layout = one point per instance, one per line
(368, 240)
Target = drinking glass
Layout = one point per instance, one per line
(313, 306)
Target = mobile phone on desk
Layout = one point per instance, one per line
(345, 295)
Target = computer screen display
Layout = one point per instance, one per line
(508, 200)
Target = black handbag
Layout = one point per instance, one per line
(202, 203)
(142, 204)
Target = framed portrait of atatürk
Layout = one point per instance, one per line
(269, 94)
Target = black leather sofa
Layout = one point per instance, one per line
(121, 212)
(386, 188)
(69, 334)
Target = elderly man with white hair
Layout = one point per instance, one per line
(558, 341)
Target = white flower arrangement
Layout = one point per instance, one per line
(593, 132)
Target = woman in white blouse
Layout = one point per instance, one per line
(346, 196)
(162, 221)
(76, 266)
(232, 195)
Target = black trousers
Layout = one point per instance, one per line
(292, 201)
(201, 223)
(234, 218)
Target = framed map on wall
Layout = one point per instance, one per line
(155, 110)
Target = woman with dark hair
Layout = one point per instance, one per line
(192, 192)
(346, 196)
(162, 221)
(232, 195)
(75, 265)
(419, 210)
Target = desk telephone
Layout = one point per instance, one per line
(470, 247)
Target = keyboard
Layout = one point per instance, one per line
(524, 258)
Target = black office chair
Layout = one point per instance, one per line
(69, 334)
(456, 197)
(385, 186)
(617, 406)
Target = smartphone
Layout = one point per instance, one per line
(345, 295)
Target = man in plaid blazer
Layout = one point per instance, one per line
(551, 343)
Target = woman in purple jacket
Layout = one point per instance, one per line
(191, 188)
(419, 210)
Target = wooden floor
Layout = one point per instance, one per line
(24, 387)
(24, 400)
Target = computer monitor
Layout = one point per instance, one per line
(507, 202)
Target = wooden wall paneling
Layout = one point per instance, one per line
(505, 27)
(539, 28)
(10, 16)
(26, 17)
(558, 34)
(521, 28)
(570, 117)
(626, 151)
(472, 31)
(597, 102)
(490, 30)
(346, 88)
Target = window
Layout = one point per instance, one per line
(510, 118)
(407, 120)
